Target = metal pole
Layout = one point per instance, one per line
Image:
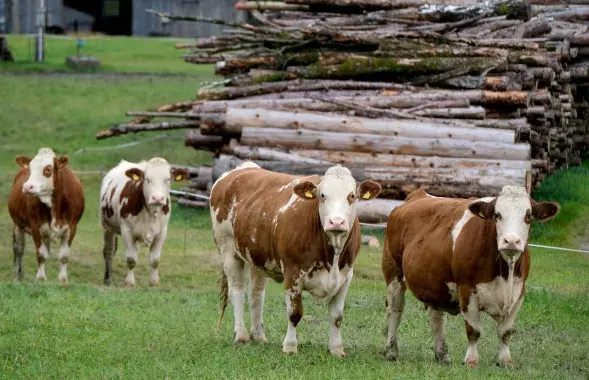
(40, 53)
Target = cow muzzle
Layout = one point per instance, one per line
(157, 200)
(511, 245)
(28, 188)
(337, 226)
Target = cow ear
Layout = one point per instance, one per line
(544, 211)
(368, 190)
(22, 161)
(180, 174)
(306, 190)
(62, 161)
(135, 174)
(483, 209)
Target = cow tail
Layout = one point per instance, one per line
(223, 296)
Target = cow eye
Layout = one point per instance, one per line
(147, 180)
(497, 216)
(47, 171)
(528, 218)
(322, 196)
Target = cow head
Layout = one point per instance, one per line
(513, 211)
(156, 180)
(337, 195)
(42, 169)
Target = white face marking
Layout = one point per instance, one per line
(511, 207)
(157, 181)
(37, 184)
(335, 211)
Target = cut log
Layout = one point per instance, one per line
(390, 160)
(376, 210)
(197, 140)
(192, 203)
(295, 85)
(365, 68)
(361, 142)
(269, 6)
(237, 118)
(400, 181)
(451, 113)
(268, 154)
(128, 128)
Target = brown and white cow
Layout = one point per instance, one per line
(135, 203)
(461, 256)
(46, 201)
(300, 230)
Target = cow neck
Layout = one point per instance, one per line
(506, 266)
(59, 201)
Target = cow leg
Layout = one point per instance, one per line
(472, 320)
(18, 247)
(395, 306)
(64, 251)
(504, 331)
(234, 270)
(437, 319)
(42, 248)
(257, 292)
(154, 256)
(108, 251)
(294, 313)
(131, 254)
(336, 315)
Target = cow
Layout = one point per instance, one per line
(461, 256)
(135, 203)
(302, 231)
(47, 202)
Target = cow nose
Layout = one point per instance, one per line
(336, 224)
(512, 243)
(159, 199)
(27, 188)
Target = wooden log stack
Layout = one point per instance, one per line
(457, 97)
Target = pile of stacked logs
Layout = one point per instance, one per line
(459, 98)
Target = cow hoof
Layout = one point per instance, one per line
(471, 362)
(505, 363)
(443, 359)
(240, 339)
(154, 282)
(290, 349)
(107, 282)
(391, 354)
(63, 280)
(338, 352)
(129, 284)
(41, 278)
(259, 338)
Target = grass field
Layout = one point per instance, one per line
(116, 54)
(90, 331)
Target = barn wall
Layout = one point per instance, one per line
(27, 19)
(146, 23)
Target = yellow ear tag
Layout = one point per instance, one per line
(135, 177)
(481, 214)
(178, 177)
(366, 195)
(309, 194)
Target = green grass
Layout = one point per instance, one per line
(116, 54)
(90, 331)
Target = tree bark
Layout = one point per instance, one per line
(237, 119)
(197, 140)
(376, 210)
(368, 143)
(390, 160)
(295, 85)
(128, 128)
